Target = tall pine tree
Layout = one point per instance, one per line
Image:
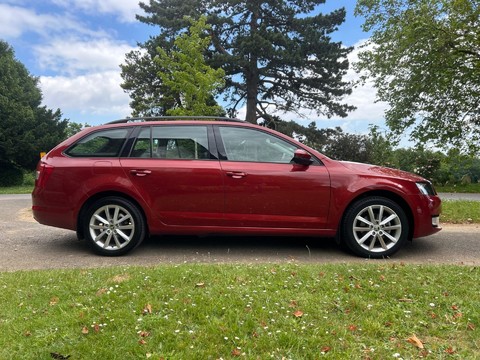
(276, 54)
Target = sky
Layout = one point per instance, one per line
(75, 48)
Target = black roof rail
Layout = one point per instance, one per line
(166, 118)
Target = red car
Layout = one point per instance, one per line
(115, 184)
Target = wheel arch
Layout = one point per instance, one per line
(386, 194)
(101, 195)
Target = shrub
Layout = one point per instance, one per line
(11, 175)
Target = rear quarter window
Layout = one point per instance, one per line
(103, 143)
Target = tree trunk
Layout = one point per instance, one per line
(251, 73)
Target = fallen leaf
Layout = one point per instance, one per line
(450, 350)
(96, 327)
(415, 341)
(101, 291)
(54, 301)
(144, 334)
(325, 349)
(27, 333)
(147, 309)
(142, 342)
(200, 285)
(236, 352)
(293, 304)
(405, 300)
(85, 330)
(454, 307)
(470, 326)
(352, 327)
(298, 313)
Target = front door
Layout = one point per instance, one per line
(264, 189)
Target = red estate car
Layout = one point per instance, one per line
(117, 183)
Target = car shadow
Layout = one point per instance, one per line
(242, 248)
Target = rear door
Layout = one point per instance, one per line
(172, 167)
(263, 188)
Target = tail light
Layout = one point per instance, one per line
(43, 173)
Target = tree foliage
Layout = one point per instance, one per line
(424, 58)
(185, 72)
(339, 145)
(276, 54)
(26, 127)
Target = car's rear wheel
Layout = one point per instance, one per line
(375, 227)
(113, 226)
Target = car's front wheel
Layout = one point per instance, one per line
(113, 226)
(375, 227)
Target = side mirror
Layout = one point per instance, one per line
(302, 157)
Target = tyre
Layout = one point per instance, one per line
(113, 226)
(375, 227)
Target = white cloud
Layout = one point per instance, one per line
(125, 10)
(73, 56)
(16, 21)
(94, 93)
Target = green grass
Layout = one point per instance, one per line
(21, 189)
(274, 311)
(460, 212)
(25, 188)
(459, 188)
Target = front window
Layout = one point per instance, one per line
(255, 146)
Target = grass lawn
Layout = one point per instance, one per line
(460, 212)
(21, 189)
(379, 310)
(460, 188)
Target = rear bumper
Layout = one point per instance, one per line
(57, 216)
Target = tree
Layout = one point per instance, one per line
(424, 59)
(186, 73)
(26, 128)
(276, 54)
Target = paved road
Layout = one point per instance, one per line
(28, 245)
(459, 196)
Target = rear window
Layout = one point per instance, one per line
(172, 142)
(104, 143)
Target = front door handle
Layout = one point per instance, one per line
(236, 174)
(140, 173)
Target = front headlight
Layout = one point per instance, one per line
(425, 188)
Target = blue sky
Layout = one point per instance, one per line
(75, 48)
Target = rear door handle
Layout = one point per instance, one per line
(140, 173)
(236, 174)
